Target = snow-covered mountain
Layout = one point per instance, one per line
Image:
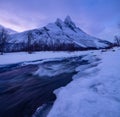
(60, 35)
(7, 30)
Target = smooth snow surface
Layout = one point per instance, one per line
(96, 93)
(11, 58)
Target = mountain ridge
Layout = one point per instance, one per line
(59, 35)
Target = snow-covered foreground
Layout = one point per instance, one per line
(11, 58)
(95, 89)
(96, 93)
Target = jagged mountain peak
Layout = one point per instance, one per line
(59, 21)
(68, 21)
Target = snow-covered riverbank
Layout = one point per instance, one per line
(10, 58)
(95, 94)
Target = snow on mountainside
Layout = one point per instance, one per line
(60, 35)
(8, 30)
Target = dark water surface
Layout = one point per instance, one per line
(21, 92)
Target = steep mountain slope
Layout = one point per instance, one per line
(60, 35)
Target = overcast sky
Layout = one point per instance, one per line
(96, 17)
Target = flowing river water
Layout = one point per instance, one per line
(22, 92)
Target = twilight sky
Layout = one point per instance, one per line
(99, 18)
